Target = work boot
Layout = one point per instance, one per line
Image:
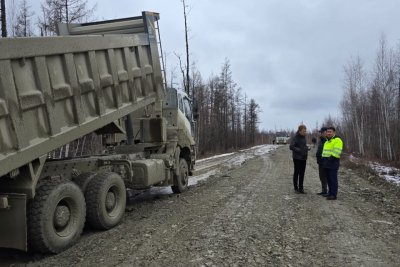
(331, 198)
(301, 191)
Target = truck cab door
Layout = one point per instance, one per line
(187, 103)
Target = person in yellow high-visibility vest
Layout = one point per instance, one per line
(331, 161)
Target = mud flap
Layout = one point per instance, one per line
(13, 232)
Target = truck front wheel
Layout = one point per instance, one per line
(56, 216)
(181, 180)
(106, 200)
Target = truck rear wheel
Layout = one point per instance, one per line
(106, 200)
(181, 180)
(56, 216)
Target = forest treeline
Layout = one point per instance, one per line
(227, 119)
(370, 105)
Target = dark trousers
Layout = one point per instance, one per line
(298, 175)
(323, 179)
(332, 178)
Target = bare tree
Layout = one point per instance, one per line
(187, 82)
(385, 87)
(254, 110)
(182, 70)
(3, 18)
(67, 11)
(397, 121)
(22, 26)
(353, 107)
(371, 106)
(226, 122)
(42, 21)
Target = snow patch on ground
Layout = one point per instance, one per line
(389, 173)
(195, 179)
(235, 159)
(215, 157)
(261, 150)
(238, 160)
(253, 148)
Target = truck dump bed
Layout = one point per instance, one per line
(54, 90)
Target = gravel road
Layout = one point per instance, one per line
(246, 214)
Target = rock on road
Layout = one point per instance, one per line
(249, 215)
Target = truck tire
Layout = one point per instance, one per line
(56, 216)
(181, 180)
(106, 200)
(83, 179)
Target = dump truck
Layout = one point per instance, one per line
(102, 77)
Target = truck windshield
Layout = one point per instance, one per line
(188, 108)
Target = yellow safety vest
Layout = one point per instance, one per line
(332, 147)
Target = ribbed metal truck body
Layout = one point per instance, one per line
(56, 89)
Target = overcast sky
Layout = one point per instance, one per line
(287, 54)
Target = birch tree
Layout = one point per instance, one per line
(371, 106)
(352, 105)
(384, 84)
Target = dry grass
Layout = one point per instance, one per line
(365, 172)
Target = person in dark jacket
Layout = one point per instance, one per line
(299, 148)
(314, 141)
(321, 170)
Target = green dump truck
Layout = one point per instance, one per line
(102, 77)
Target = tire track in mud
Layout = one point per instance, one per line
(211, 205)
(230, 229)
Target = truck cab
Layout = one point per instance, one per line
(178, 111)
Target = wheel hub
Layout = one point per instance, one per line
(110, 201)
(184, 176)
(62, 216)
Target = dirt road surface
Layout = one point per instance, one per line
(245, 214)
